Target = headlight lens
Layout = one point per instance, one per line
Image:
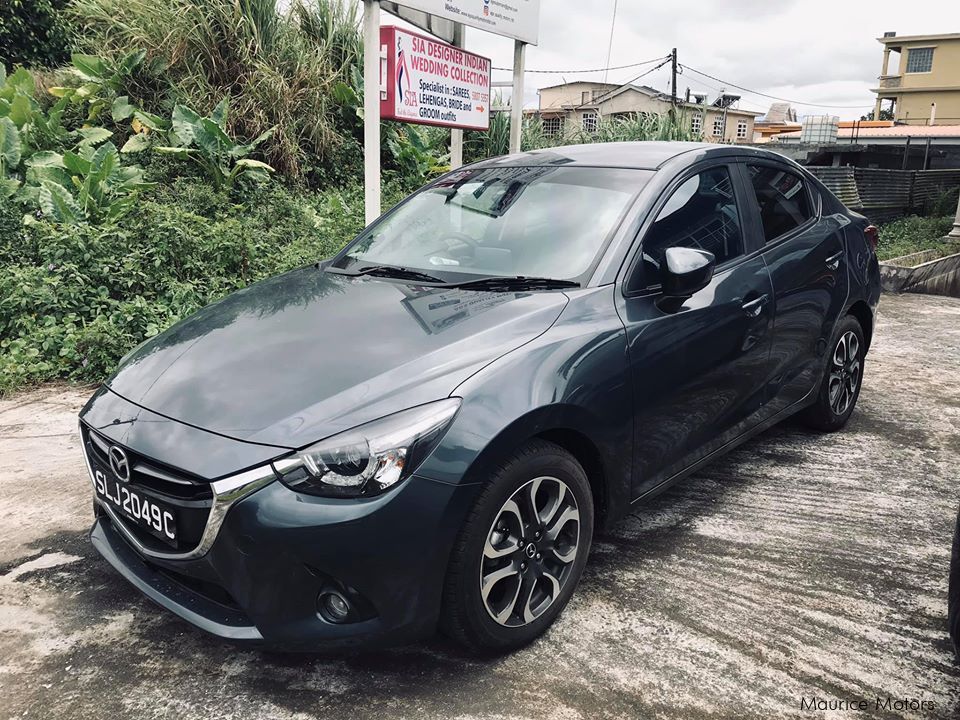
(371, 458)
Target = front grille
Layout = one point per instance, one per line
(189, 495)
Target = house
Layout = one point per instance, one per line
(583, 104)
(923, 85)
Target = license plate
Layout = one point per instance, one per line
(156, 518)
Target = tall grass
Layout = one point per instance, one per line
(626, 128)
(278, 70)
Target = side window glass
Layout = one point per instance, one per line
(782, 198)
(701, 213)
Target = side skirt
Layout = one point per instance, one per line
(807, 400)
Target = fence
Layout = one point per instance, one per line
(884, 195)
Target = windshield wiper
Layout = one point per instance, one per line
(518, 282)
(395, 271)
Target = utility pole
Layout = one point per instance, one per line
(673, 80)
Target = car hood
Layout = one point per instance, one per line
(301, 356)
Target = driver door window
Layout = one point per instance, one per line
(702, 214)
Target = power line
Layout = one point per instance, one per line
(595, 70)
(613, 24)
(669, 58)
(774, 97)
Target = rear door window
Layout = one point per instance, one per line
(782, 199)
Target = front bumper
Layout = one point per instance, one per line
(278, 550)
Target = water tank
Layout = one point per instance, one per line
(820, 129)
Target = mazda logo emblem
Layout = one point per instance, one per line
(119, 464)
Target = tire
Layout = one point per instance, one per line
(953, 594)
(840, 386)
(511, 551)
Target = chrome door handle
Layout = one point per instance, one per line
(754, 307)
(833, 262)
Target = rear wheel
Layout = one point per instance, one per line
(953, 594)
(521, 552)
(842, 378)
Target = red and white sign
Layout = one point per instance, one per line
(432, 83)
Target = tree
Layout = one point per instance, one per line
(884, 115)
(33, 33)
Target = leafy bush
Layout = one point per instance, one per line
(205, 141)
(33, 33)
(912, 234)
(101, 81)
(278, 70)
(76, 298)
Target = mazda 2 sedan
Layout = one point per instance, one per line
(429, 429)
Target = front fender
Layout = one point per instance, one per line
(571, 379)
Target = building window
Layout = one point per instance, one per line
(718, 126)
(590, 122)
(741, 129)
(696, 123)
(585, 97)
(552, 125)
(920, 60)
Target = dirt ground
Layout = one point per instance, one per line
(799, 568)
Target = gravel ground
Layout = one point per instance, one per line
(799, 567)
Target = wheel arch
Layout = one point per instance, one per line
(864, 315)
(569, 428)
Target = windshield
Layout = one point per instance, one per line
(532, 221)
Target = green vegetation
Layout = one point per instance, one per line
(33, 32)
(180, 150)
(912, 234)
(75, 298)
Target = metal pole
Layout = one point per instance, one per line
(955, 233)
(371, 109)
(516, 99)
(906, 154)
(456, 134)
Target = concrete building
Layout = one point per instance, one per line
(585, 104)
(922, 85)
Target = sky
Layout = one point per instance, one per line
(821, 52)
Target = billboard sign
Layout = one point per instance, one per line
(432, 83)
(517, 19)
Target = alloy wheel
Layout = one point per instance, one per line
(529, 551)
(844, 373)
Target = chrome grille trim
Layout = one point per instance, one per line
(226, 493)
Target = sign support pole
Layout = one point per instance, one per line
(516, 99)
(456, 134)
(371, 109)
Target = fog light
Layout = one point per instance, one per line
(334, 607)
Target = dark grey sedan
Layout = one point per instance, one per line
(429, 428)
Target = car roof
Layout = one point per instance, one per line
(647, 155)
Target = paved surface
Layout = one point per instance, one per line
(798, 567)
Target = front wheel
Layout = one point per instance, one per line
(842, 378)
(521, 552)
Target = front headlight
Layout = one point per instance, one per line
(368, 459)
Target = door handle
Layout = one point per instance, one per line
(754, 307)
(833, 262)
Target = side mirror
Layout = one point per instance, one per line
(685, 271)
